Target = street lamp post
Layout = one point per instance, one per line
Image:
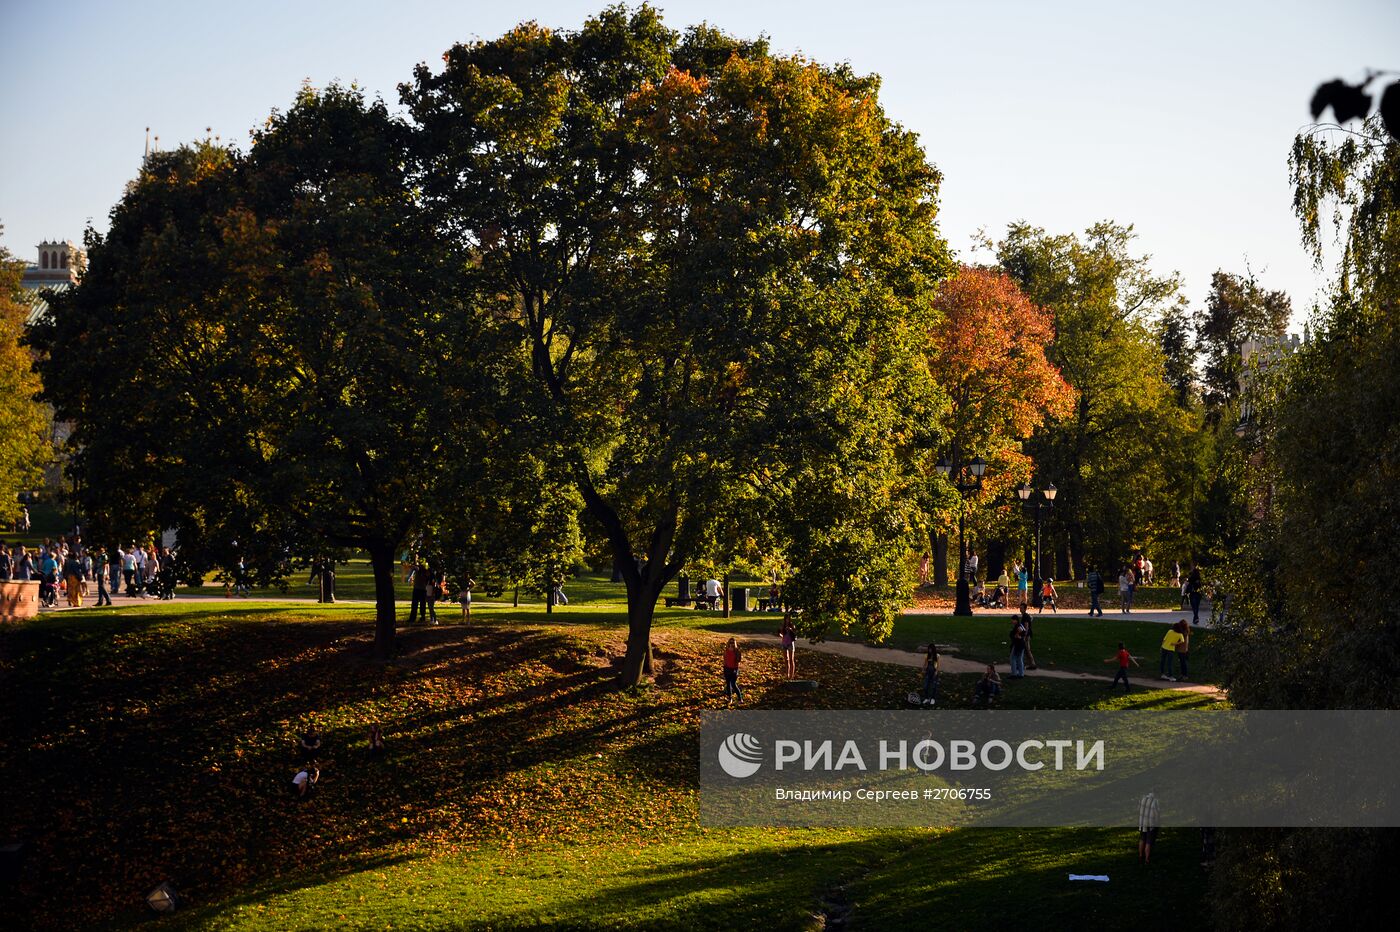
(1034, 508)
(965, 478)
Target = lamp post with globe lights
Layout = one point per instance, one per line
(1033, 505)
(966, 478)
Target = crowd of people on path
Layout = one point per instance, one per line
(66, 568)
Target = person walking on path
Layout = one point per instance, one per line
(129, 570)
(1047, 596)
(323, 577)
(465, 597)
(436, 590)
(1123, 658)
(48, 577)
(1167, 668)
(1094, 580)
(1030, 634)
(101, 569)
(714, 591)
(1149, 820)
(1023, 578)
(1193, 593)
(24, 565)
(1125, 590)
(73, 579)
(732, 656)
(418, 604)
(1183, 646)
(788, 633)
(930, 691)
(1018, 648)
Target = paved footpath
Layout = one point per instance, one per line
(1161, 616)
(948, 662)
(951, 664)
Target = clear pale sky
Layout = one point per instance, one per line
(1175, 117)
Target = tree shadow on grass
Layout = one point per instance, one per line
(165, 748)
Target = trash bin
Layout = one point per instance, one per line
(683, 588)
(741, 599)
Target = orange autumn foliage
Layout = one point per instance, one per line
(989, 356)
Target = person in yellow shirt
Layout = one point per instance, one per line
(1168, 665)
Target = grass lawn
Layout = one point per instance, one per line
(521, 789)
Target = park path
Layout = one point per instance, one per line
(951, 664)
(907, 658)
(1161, 616)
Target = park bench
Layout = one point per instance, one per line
(673, 602)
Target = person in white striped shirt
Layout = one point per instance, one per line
(1149, 820)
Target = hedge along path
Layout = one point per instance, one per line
(951, 664)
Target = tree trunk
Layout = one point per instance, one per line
(636, 663)
(516, 602)
(1076, 554)
(726, 595)
(381, 556)
(996, 559)
(1062, 559)
(940, 559)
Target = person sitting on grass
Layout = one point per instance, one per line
(979, 594)
(1047, 596)
(306, 780)
(376, 741)
(1123, 657)
(988, 687)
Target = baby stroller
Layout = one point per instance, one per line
(163, 586)
(48, 591)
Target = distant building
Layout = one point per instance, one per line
(1257, 354)
(60, 264)
(1268, 349)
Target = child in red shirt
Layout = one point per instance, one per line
(1122, 657)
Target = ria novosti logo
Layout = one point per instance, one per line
(740, 755)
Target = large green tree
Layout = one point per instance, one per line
(1306, 629)
(1118, 457)
(25, 432)
(715, 265)
(1237, 309)
(265, 353)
